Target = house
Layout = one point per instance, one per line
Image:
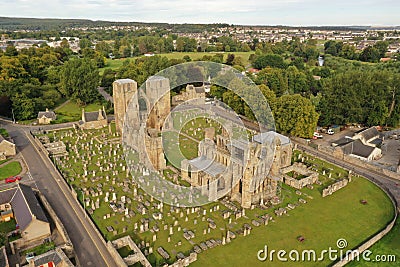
(385, 59)
(356, 148)
(29, 215)
(363, 145)
(46, 117)
(195, 95)
(370, 136)
(93, 120)
(52, 258)
(7, 148)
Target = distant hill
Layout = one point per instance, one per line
(36, 24)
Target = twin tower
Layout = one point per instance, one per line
(145, 109)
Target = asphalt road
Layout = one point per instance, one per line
(89, 248)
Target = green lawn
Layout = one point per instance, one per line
(6, 227)
(125, 251)
(73, 112)
(10, 169)
(388, 245)
(322, 222)
(43, 248)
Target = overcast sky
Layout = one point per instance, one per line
(249, 12)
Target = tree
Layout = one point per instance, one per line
(381, 47)
(107, 79)
(85, 43)
(230, 59)
(103, 48)
(79, 79)
(180, 45)
(295, 115)
(11, 51)
(269, 60)
(187, 58)
(370, 54)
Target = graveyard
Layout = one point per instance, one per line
(95, 168)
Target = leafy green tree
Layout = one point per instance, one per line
(103, 48)
(295, 115)
(381, 47)
(275, 79)
(370, 54)
(11, 51)
(269, 60)
(79, 79)
(230, 59)
(85, 43)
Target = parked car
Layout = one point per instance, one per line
(317, 135)
(330, 131)
(29, 256)
(13, 179)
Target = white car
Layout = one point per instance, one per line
(317, 135)
(330, 131)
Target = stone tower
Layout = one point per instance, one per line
(158, 97)
(158, 105)
(123, 91)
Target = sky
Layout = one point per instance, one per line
(243, 12)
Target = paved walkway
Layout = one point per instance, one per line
(105, 94)
(62, 105)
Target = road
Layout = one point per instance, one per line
(89, 248)
(105, 94)
(390, 185)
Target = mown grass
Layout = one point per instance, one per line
(10, 169)
(322, 222)
(71, 111)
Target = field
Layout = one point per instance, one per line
(116, 63)
(10, 169)
(321, 220)
(70, 111)
(388, 245)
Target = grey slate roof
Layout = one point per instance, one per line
(208, 166)
(6, 195)
(50, 256)
(93, 116)
(342, 141)
(369, 133)
(357, 148)
(199, 90)
(25, 205)
(47, 114)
